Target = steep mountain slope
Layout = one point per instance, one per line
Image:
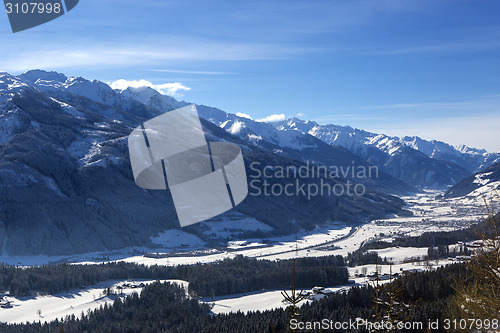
(416, 161)
(413, 162)
(286, 143)
(66, 185)
(469, 158)
(483, 183)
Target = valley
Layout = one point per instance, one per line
(431, 212)
(63, 154)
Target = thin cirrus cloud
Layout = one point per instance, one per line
(478, 131)
(142, 53)
(171, 89)
(477, 44)
(177, 71)
(438, 105)
(486, 103)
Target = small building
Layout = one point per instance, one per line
(317, 289)
(5, 304)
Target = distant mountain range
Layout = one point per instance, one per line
(483, 184)
(418, 162)
(385, 150)
(66, 185)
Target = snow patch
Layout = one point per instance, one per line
(50, 182)
(482, 178)
(74, 302)
(233, 224)
(177, 238)
(9, 124)
(69, 109)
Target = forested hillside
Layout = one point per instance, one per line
(230, 276)
(165, 308)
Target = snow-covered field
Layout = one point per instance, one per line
(271, 299)
(399, 254)
(231, 224)
(430, 214)
(74, 302)
(78, 301)
(284, 246)
(486, 191)
(174, 238)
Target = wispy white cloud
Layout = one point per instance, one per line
(478, 131)
(170, 89)
(143, 52)
(243, 115)
(192, 72)
(271, 118)
(479, 43)
(292, 18)
(439, 105)
(458, 107)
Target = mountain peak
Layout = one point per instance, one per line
(142, 94)
(10, 84)
(38, 74)
(151, 97)
(468, 150)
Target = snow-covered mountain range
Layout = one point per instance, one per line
(421, 163)
(485, 184)
(66, 185)
(357, 140)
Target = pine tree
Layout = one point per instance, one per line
(478, 294)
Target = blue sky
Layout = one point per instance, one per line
(426, 67)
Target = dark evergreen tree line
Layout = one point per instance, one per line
(229, 276)
(434, 238)
(360, 257)
(165, 308)
(243, 274)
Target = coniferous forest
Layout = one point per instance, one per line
(166, 308)
(229, 276)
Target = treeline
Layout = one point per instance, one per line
(243, 274)
(364, 256)
(430, 286)
(444, 251)
(164, 308)
(434, 238)
(52, 279)
(360, 257)
(160, 308)
(229, 276)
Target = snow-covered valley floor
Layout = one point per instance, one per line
(430, 214)
(74, 302)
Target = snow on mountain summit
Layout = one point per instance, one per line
(38, 74)
(357, 140)
(63, 154)
(151, 97)
(10, 84)
(292, 133)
